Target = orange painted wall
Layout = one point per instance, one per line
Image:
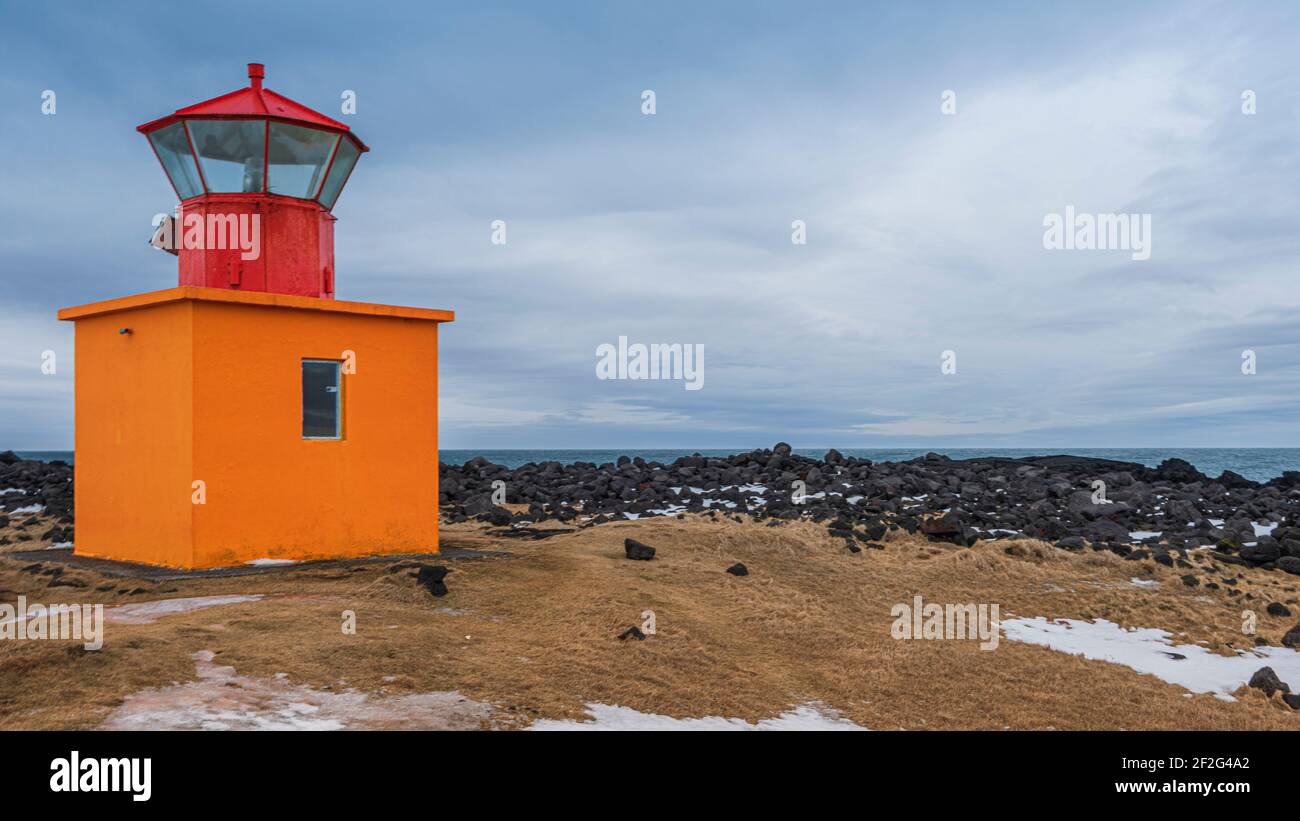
(133, 435)
(209, 388)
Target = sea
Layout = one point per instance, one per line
(1260, 464)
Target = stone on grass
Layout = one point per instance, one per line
(638, 551)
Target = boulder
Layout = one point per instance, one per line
(638, 551)
(738, 569)
(1235, 481)
(1292, 638)
(1260, 552)
(430, 578)
(1180, 471)
(1265, 679)
(941, 524)
(480, 506)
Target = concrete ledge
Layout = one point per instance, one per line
(256, 298)
(134, 570)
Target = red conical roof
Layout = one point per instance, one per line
(253, 102)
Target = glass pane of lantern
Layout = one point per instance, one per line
(174, 151)
(343, 162)
(298, 157)
(321, 399)
(231, 153)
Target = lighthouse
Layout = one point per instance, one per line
(247, 414)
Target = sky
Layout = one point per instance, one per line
(922, 145)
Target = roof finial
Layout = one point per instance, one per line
(256, 71)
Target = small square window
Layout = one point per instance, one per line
(322, 399)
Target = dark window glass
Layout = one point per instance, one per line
(321, 399)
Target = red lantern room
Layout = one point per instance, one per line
(257, 175)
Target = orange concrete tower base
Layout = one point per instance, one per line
(189, 429)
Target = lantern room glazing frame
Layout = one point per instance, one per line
(197, 166)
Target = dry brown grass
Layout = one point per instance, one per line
(26, 531)
(534, 633)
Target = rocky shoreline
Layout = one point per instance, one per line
(1073, 502)
(35, 500)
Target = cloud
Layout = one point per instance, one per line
(924, 231)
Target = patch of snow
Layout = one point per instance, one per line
(8, 490)
(1149, 650)
(810, 716)
(697, 491)
(1139, 535)
(29, 509)
(146, 612)
(1265, 529)
(222, 700)
(452, 611)
(667, 511)
(59, 545)
(271, 562)
(1136, 582)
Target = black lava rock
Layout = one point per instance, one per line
(1292, 638)
(1179, 470)
(430, 578)
(637, 551)
(1265, 679)
(738, 569)
(1260, 552)
(633, 632)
